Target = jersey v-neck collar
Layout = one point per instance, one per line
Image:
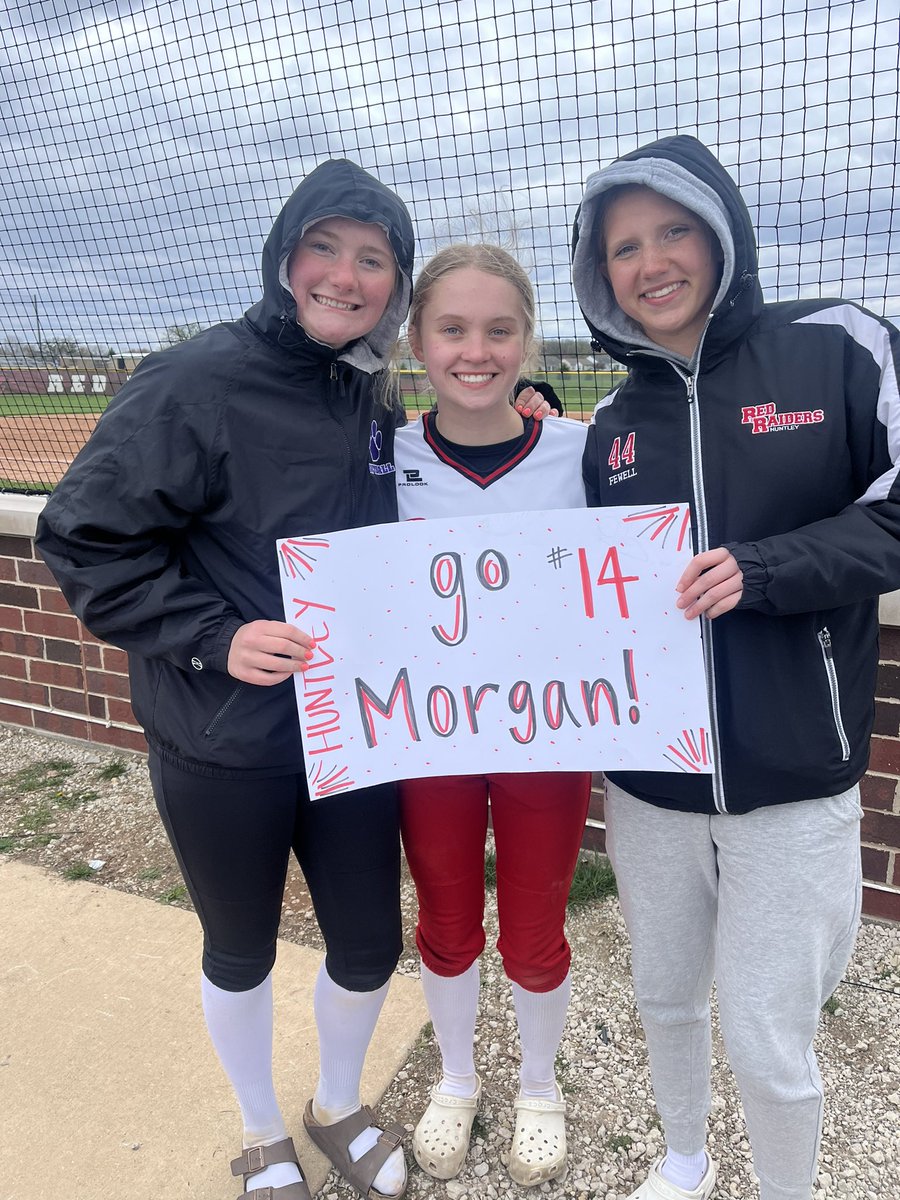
(465, 459)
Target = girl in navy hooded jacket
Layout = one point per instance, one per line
(780, 423)
(161, 535)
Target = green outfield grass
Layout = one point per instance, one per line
(44, 406)
(578, 390)
(25, 486)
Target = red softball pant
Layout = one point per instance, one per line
(538, 822)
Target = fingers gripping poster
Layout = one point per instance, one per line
(531, 641)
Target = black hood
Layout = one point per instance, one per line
(682, 169)
(336, 188)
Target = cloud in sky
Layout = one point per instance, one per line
(146, 147)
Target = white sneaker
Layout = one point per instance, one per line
(657, 1187)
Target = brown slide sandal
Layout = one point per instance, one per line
(335, 1140)
(258, 1157)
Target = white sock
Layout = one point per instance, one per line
(240, 1026)
(683, 1170)
(541, 1017)
(453, 1006)
(346, 1021)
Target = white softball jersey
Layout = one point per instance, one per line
(438, 479)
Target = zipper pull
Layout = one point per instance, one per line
(690, 389)
(825, 641)
(333, 374)
(747, 278)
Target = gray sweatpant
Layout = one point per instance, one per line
(768, 904)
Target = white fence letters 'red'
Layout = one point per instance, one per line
(532, 641)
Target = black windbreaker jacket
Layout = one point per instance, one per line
(783, 433)
(162, 533)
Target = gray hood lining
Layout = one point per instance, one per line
(592, 288)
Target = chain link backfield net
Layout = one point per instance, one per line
(146, 148)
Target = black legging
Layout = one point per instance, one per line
(232, 840)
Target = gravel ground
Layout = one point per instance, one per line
(88, 812)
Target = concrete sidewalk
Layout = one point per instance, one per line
(108, 1083)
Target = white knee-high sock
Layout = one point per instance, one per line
(541, 1017)
(453, 1007)
(240, 1026)
(345, 1022)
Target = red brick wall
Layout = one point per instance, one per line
(56, 678)
(880, 790)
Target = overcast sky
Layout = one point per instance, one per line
(145, 148)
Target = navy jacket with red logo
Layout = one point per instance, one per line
(783, 432)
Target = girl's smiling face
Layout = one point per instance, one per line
(341, 275)
(663, 264)
(471, 335)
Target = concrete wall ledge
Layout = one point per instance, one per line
(889, 610)
(19, 514)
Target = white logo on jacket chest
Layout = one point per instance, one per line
(376, 440)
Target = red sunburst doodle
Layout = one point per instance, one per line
(690, 751)
(327, 784)
(660, 521)
(296, 558)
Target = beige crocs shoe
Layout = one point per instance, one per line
(538, 1150)
(657, 1187)
(441, 1140)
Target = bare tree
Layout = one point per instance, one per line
(490, 218)
(180, 333)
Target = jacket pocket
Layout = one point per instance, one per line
(833, 690)
(212, 727)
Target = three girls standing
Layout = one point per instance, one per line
(778, 422)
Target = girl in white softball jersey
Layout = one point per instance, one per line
(472, 325)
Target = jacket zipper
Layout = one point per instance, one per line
(824, 637)
(334, 378)
(690, 382)
(220, 715)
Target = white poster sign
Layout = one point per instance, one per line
(531, 641)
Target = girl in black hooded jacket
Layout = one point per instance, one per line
(270, 425)
(780, 423)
